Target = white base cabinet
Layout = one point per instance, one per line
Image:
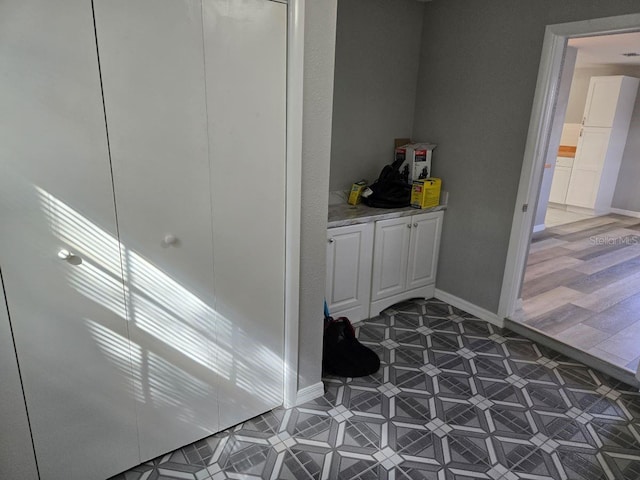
(585, 185)
(374, 265)
(390, 257)
(560, 181)
(348, 279)
(405, 259)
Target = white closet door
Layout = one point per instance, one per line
(152, 61)
(17, 458)
(55, 193)
(245, 51)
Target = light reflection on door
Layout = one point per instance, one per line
(179, 329)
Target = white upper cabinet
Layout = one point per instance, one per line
(151, 58)
(602, 101)
(67, 312)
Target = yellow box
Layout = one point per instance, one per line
(425, 193)
(356, 192)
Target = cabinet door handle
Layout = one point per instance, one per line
(408, 225)
(415, 225)
(331, 240)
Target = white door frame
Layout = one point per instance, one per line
(295, 78)
(553, 50)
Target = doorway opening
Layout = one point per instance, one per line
(569, 275)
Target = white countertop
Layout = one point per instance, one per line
(343, 214)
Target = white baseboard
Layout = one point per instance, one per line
(471, 308)
(538, 228)
(628, 213)
(309, 393)
(588, 211)
(557, 206)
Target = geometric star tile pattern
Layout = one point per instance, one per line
(455, 399)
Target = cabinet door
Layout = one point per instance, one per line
(587, 166)
(423, 249)
(390, 253)
(602, 100)
(55, 193)
(151, 56)
(246, 51)
(560, 184)
(349, 251)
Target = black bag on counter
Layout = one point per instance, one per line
(390, 190)
(342, 354)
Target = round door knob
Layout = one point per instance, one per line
(415, 224)
(69, 257)
(408, 225)
(169, 240)
(331, 240)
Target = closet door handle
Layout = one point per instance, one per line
(170, 240)
(408, 225)
(331, 240)
(69, 257)
(415, 225)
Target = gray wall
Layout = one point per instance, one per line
(320, 25)
(377, 54)
(478, 69)
(627, 193)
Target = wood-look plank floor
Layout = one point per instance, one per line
(582, 287)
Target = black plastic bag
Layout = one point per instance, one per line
(390, 190)
(342, 354)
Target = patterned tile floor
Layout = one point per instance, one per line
(455, 399)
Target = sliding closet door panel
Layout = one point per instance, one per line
(245, 51)
(59, 250)
(151, 55)
(17, 458)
